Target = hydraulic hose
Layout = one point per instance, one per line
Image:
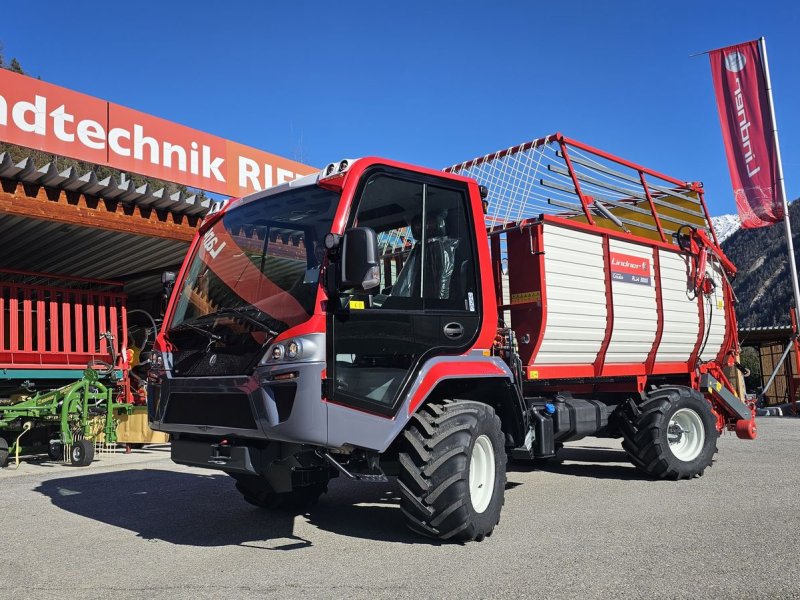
(152, 322)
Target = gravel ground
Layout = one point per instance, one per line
(137, 526)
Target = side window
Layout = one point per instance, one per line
(389, 206)
(449, 269)
(425, 245)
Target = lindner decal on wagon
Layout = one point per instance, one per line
(630, 269)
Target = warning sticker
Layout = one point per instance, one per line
(630, 269)
(526, 297)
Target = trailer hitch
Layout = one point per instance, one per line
(745, 422)
(375, 475)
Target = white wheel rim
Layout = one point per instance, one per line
(481, 474)
(686, 434)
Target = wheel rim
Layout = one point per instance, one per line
(686, 434)
(76, 453)
(481, 473)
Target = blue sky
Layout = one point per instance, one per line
(432, 83)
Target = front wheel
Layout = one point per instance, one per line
(671, 435)
(453, 471)
(82, 453)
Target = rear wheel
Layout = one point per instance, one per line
(671, 435)
(3, 453)
(82, 453)
(453, 471)
(256, 491)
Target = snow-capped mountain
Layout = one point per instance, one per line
(725, 226)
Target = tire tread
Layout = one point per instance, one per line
(642, 426)
(434, 470)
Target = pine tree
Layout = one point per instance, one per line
(16, 67)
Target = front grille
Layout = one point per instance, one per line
(215, 410)
(229, 361)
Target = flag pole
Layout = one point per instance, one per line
(787, 226)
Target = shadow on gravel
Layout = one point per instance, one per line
(598, 471)
(590, 456)
(206, 510)
(364, 510)
(180, 508)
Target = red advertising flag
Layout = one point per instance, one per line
(744, 114)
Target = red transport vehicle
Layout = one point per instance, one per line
(378, 318)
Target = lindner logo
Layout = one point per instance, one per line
(735, 61)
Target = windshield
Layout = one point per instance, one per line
(259, 264)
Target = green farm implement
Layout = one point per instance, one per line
(68, 415)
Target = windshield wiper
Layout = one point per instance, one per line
(212, 337)
(242, 314)
(239, 313)
(209, 334)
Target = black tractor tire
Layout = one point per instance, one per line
(257, 491)
(435, 468)
(82, 453)
(3, 453)
(55, 451)
(646, 433)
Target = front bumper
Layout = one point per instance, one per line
(244, 406)
(284, 469)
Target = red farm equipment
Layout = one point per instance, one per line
(378, 319)
(63, 360)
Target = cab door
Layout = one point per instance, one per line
(427, 303)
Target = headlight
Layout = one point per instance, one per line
(306, 348)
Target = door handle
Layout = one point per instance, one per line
(453, 330)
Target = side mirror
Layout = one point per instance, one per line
(167, 281)
(359, 259)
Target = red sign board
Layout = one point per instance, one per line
(53, 119)
(744, 114)
(629, 268)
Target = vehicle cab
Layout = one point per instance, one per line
(314, 312)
